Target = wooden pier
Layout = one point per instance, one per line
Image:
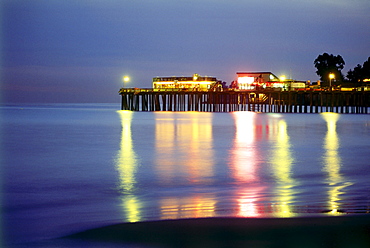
(267, 101)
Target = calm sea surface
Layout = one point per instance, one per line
(69, 167)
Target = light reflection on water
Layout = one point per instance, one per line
(59, 174)
(332, 163)
(244, 164)
(196, 206)
(127, 164)
(260, 177)
(281, 161)
(184, 148)
(184, 145)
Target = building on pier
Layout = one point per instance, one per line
(195, 82)
(265, 80)
(257, 80)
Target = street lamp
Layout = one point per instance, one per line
(125, 79)
(331, 77)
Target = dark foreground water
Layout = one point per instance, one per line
(70, 168)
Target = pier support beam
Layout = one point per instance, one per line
(257, 101)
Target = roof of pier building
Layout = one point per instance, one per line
(195, 77)
(184, 81)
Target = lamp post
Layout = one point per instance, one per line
(331, 77)
(282, 81)
(125, 79)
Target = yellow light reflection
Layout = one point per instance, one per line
(199, 154)
(244, 161)
(244, 153)
(132, 208)
(332, 162)
(282, 160)
(190, 135)
(126, 163)
(196, 206)
(165, 144)
(184, 149)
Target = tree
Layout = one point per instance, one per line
(366, 69)
(327, 64)
(355, 75)
(359, 73)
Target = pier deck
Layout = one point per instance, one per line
(268, 101)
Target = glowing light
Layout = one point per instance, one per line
(187, 207)
(126, 163)
(185, 82)
(184, 147)
(331, 76)
(247, 206)
(190, 134)
(126, 79)
(332, 162)
(282, 78)
(245, 80)
(272, 77)
(195, 82)
(132, 207)
(243, 155)
(244, 163)
(282, 162)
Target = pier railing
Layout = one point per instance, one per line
(268, 101)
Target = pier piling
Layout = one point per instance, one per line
(355, 102)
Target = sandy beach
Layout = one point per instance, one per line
(343, 231)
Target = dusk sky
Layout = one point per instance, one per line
(78, 50)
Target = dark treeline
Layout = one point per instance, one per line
(329, 68)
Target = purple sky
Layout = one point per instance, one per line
(78, 50)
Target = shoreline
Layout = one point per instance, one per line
(333, 231)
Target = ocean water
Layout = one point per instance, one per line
(72, 167)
